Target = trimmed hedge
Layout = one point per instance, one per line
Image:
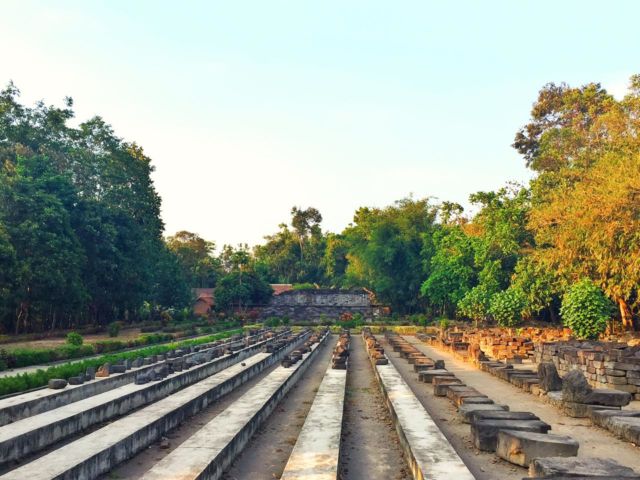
(27, 381)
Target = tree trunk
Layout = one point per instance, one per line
(626, 315)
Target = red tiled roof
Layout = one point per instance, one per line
(279, 288)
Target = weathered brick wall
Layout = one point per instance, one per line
(313, 305)
(604, 364)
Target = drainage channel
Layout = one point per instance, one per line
(370, 445)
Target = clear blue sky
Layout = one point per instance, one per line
(249, 108)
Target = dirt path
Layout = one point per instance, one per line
(594, 441)
(370, 447)
(266, 455)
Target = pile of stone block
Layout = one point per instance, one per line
(374, 349)
(340, 355)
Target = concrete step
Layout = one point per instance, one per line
(99, 451)
(208, 452)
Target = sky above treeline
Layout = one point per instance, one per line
(248, 108)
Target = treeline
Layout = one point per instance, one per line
(80, 229)
(81, 237)
(566, 245)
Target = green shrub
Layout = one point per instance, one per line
(506, 307)
(475, 303)
(444, 323)
(114, 329)
(585, 310)
(74, 338)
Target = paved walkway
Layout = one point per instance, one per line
(594, 441)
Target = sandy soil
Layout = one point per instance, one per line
(594, 441)
(370, 447)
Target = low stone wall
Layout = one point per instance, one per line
(314, 305)
(604, 364)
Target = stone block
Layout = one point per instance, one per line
(90, 372)
(78, 380)
(608, 397)
(501, 415)
(441, 385)
(427, 376)
(118, 369)
(602, 418)
(104, 370)
(576, 467)
(485, 432)
(475, 400)
(575, 387)
(582, 410)
(627, 428)
(465, 411)
(549, 378)
(57, 383)
(522, 447)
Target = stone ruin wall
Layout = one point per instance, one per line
(314, 305)
(613, 365)
(604, 364)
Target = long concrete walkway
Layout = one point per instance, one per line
(594, 441)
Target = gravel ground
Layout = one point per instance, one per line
(370, 447)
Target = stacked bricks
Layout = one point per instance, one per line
(604, 364)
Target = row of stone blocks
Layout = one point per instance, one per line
(210, 351)
(98, 452)
(39, 401)
(29, 435)
(518, 437)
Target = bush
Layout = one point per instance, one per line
(506, 307)
(475, 303)
(114, 329)
(444, 323)
(74, 338)
(585, 310)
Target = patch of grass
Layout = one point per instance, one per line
(39, 378)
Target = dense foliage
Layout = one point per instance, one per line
(80, 229)
(585, 309)
(80, 234)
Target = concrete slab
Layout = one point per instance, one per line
(99, 451)
(627, 428)
(430, 454)
(208, 452)
(33, 433)
(316, 453)
(28, 404)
